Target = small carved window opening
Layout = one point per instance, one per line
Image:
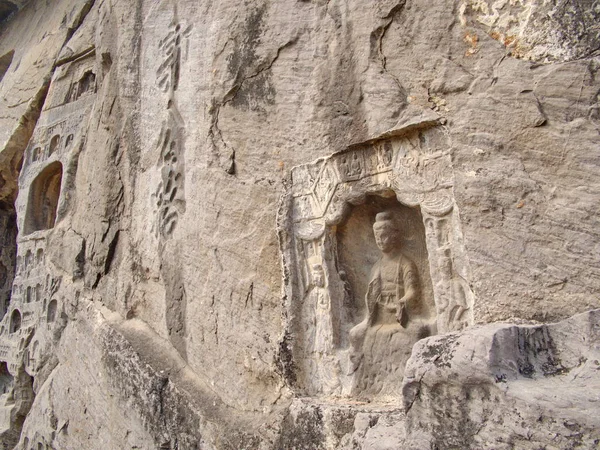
(54, 142)
(43, 199)
(6, 380)
(39, 256)
(33, 354)
(86, 84)
(68, 140)
(15, 321)
(28, 294)
(36, 153)
(3, 275)
(52, 307)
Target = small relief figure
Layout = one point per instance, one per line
(325, 185)
(351, 165)
(324, 370)
(303, 207)
(385, 153)
(36, 154)
(87, 84)
(355, 166)
(382, 343)
(312, 250)
(344, 166)
(323, 329)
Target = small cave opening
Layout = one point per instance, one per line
(6, 59)
(15, 321)
(6, 379)
(44, 195)
(39, 256)
(8, 253)
(28, 260)
(86, 84)
(51, 315)
(54, 142)
(37, 154)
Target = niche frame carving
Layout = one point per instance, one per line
(414, 165)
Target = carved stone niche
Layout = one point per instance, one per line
(44, 194)
(373, 261)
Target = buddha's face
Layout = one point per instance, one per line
(386, 237)
(317, 276)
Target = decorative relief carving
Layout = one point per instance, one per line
(31, 292)
(83, 85)
(55, 144)
(170, 195)
(172, 46)
(373, 257)
(73, 86)
(45, 143)
(385, 154)
(352, 165)
(324, 186)
(69, 103)
(454, 294)
(319, 331)
(303, 206)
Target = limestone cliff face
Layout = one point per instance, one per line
(187, 198)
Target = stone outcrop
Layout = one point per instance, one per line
(299, 224)
(507, 386)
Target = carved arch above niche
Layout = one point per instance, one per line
(407, 174)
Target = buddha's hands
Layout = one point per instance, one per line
(401, 313)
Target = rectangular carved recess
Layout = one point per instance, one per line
(373, 261)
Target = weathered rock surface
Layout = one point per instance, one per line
(507, 386)
(185, 183)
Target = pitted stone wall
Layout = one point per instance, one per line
(195, 198)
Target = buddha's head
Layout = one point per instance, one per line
(317, 275)
(387, 232)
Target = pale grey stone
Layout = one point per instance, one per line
(187, 198)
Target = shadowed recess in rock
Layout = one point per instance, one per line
(6, 9)
(43, 199)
